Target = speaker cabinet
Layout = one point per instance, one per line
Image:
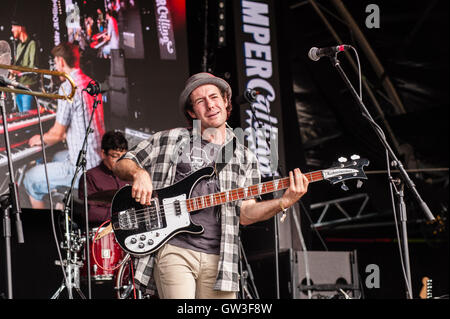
(118, 99)
(130, 28)
(329, 272)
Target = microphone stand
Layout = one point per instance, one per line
(9, 201)
(395, 162)
(81, 163)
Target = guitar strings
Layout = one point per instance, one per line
(194, 203)
(150, 214)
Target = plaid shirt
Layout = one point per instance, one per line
(158, 155)
(75, 116)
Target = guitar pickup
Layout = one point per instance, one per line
(127, 219)
(177, 207)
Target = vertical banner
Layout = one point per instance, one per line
(257, 69)
(164, 25)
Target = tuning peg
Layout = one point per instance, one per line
(344, 187)
(359, 183)
(355, 157)
(342, 159)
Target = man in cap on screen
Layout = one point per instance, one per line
(26, 55)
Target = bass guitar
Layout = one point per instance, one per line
(141, 230)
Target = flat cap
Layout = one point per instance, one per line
(200, 79)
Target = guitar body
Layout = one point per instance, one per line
(141, 230)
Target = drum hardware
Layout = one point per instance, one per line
(73, 244)
(77, 241)
(124, 285)
(124, 281)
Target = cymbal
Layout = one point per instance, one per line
(103, 196)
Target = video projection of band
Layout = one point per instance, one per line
(136, 50)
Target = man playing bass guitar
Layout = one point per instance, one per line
(201, 265)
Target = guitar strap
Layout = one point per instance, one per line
(35, 76)
(20, 57)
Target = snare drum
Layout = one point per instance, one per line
(105, 256)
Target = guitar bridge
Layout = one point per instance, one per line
(127, 219)
(154, 215)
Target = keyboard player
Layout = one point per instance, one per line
(71, 120)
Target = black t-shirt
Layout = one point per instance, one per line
(200, 154)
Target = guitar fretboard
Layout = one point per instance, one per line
(244, 193)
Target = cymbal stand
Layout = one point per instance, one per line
(81, 165)
(73, 245)
(245, 275)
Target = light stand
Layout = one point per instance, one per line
(395, 162)
(10, 201)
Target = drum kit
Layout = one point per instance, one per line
(108, 262)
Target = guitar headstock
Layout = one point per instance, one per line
(427, 288)
(346, 169)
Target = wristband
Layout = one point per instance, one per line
(283, 217)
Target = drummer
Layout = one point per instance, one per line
(101, 178)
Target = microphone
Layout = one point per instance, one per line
(5, 81)
(316, 53)
(249, 96)
(93, 88)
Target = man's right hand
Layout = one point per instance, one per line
(142, 187)
(34, 140)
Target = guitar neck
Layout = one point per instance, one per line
(244, 193)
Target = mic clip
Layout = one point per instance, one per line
(93, 88)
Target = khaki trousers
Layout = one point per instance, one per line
(187, 274)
